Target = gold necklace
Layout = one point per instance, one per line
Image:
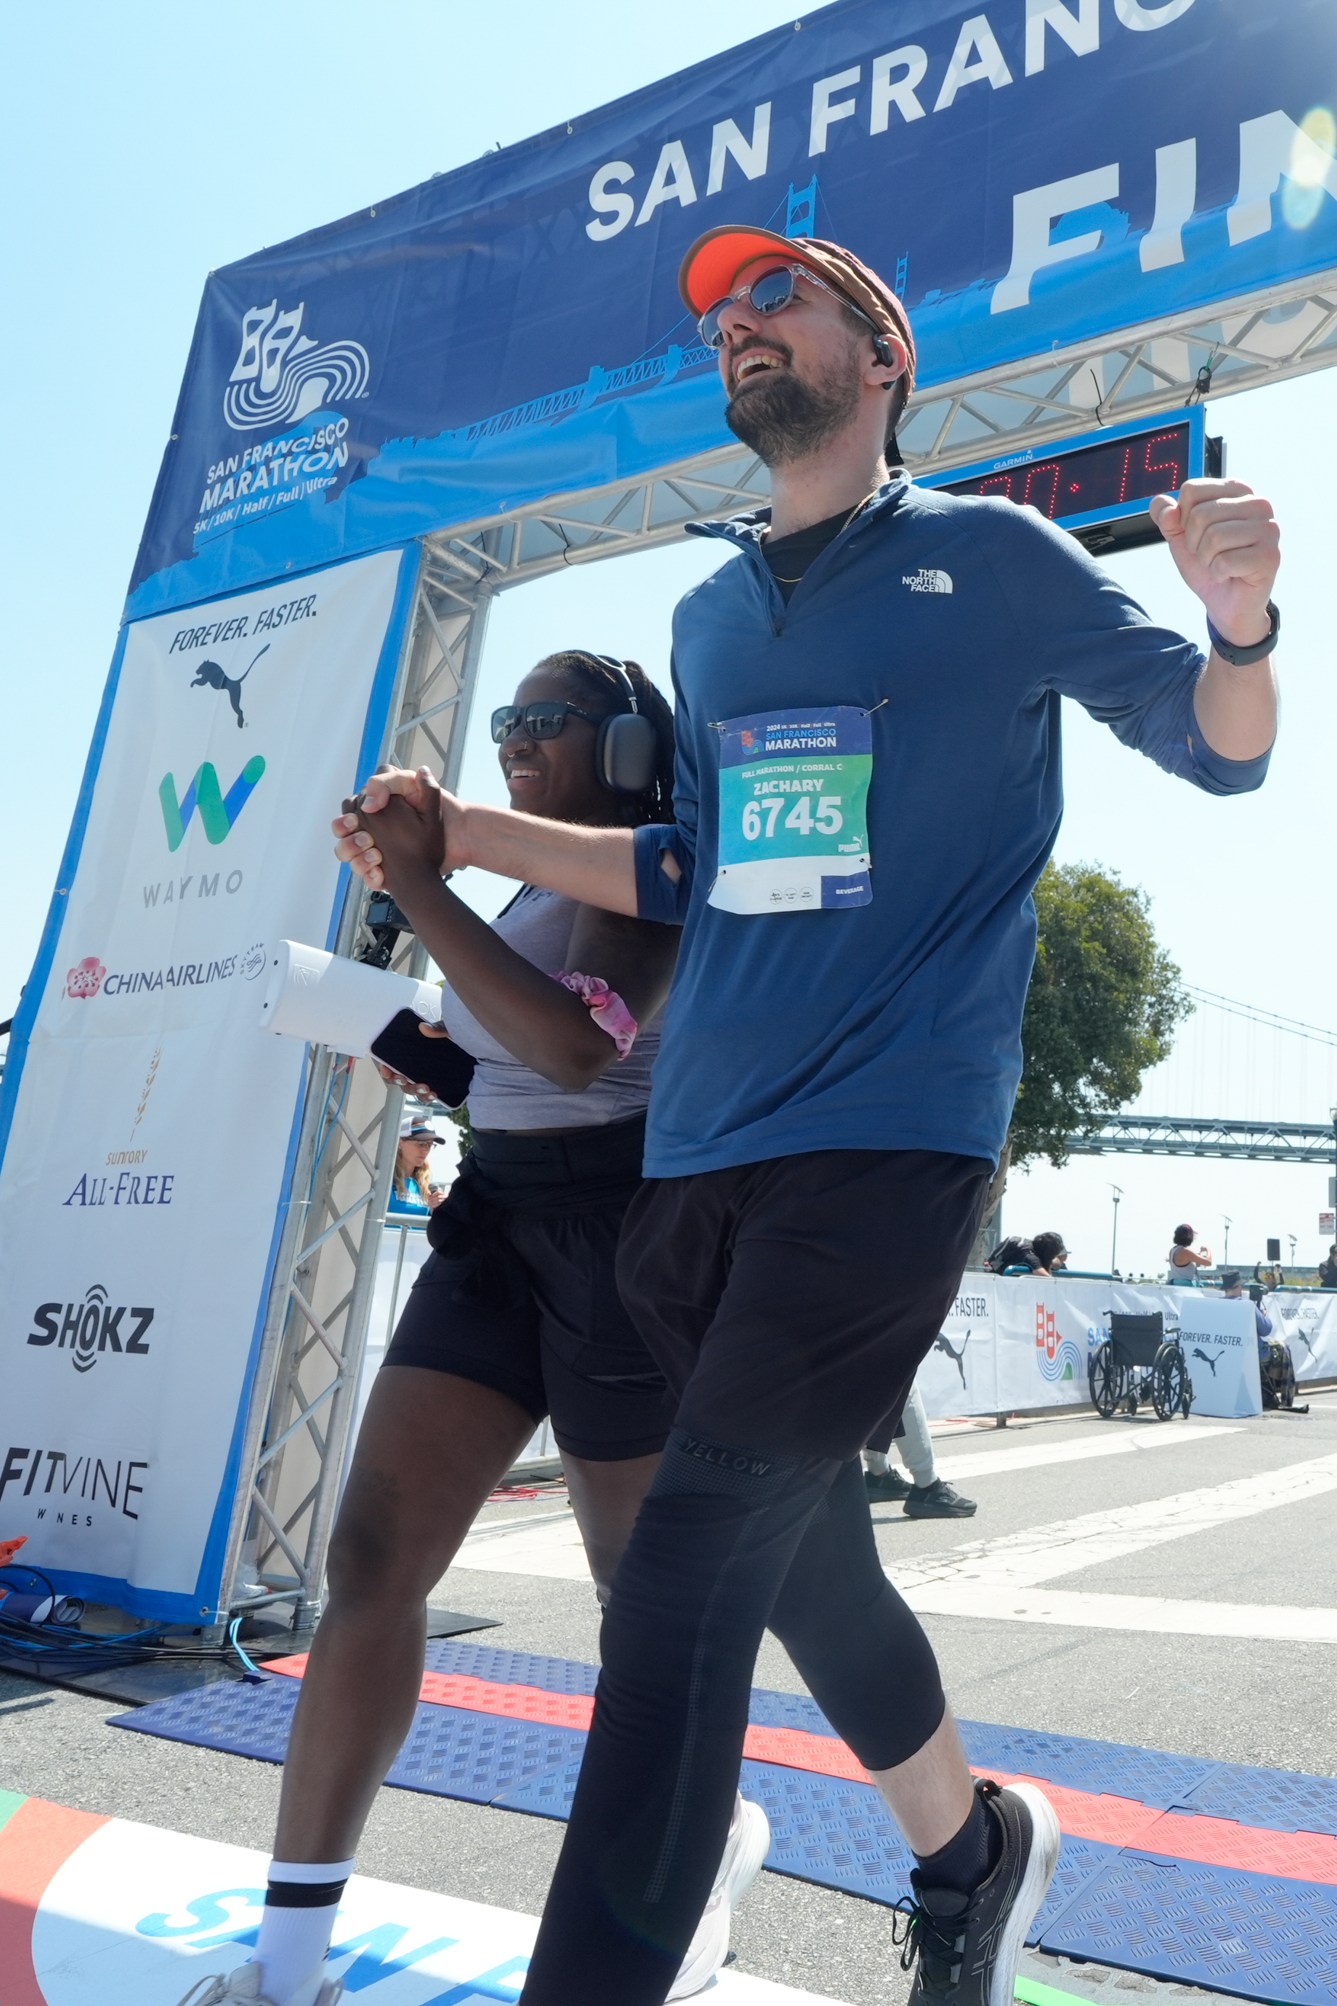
(779, 576)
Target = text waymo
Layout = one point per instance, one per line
(172, 891)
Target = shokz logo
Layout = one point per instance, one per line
(88, 1328)
(1058, 1358)
(925, 580)
(218, 811)
(282, 373)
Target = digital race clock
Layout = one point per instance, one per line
(1098, 486)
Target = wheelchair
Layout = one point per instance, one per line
(1139, 1365)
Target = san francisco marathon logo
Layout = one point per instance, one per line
(282, 377)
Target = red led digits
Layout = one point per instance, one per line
(1110, 474)
(1175, 468)
(1036, 480)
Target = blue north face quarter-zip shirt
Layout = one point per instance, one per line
(868, 785)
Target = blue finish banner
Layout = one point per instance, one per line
(1031, 174)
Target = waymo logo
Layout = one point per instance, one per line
(281, 373)
(217, 811)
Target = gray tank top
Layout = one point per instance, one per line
(506, 1094)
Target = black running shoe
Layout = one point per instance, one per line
(937, 1500)
(887, 1488)
(965, 1948)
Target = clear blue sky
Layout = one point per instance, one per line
(146, 143)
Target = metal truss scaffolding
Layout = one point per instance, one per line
(1171, 1135)
(296, 1437)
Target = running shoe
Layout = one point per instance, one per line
(749, 1842)
(965, 1948)
(937, 1500)
(242, 1988)
(888, 1487)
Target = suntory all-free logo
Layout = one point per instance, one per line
(217, 811)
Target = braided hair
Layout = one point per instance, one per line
(602, 687)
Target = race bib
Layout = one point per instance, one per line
(794, 811)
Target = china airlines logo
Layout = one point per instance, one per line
(86, 978)
(282, 374)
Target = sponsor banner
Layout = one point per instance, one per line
(1029, 174)
(1308, 1324)
(1014, 1342)
(960, 1374)
(151, 1118)
(105, 1912)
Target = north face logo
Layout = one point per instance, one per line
(925, 580)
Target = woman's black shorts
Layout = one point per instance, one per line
(524, 1296)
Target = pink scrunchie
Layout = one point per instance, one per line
(610, 1013)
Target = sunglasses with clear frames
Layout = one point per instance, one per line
(771, 293)
(540, 720)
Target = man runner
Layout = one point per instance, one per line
(868, 785)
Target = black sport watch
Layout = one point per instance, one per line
(1240, 658)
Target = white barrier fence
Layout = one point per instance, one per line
(1018, 1342)
(1013, 1343)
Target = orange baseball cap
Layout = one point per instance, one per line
(710, 270)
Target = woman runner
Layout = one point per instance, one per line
(514, 1316)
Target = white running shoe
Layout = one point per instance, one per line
(748, 1844)
(242, 1988)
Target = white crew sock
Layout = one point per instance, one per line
(875, 1463)
(296, 1927)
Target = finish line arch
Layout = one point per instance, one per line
(1094, 211)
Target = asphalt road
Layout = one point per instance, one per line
(1225, 1517)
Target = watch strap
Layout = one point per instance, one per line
(1240, 658)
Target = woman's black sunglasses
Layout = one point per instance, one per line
(771, 293)
(540, 720)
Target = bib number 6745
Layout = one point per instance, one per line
(762, 818)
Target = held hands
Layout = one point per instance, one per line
(409, 836)
(1226, 544)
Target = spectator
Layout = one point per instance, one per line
(1276, 1367)
(1183, 1263)
(1327, 1270)
(927, 1495)
(412, 1193)
(1044, 1255)
(1232, 1288)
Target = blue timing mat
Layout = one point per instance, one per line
(1259, 1936)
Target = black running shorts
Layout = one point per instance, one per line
(527, 1300)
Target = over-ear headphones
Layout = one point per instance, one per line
(626, 750)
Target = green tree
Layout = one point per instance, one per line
(1102, 1008)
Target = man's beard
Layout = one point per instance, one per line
(784, 419)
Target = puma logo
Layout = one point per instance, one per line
(940, 1344)
(1207, 1359)
(209, 675)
